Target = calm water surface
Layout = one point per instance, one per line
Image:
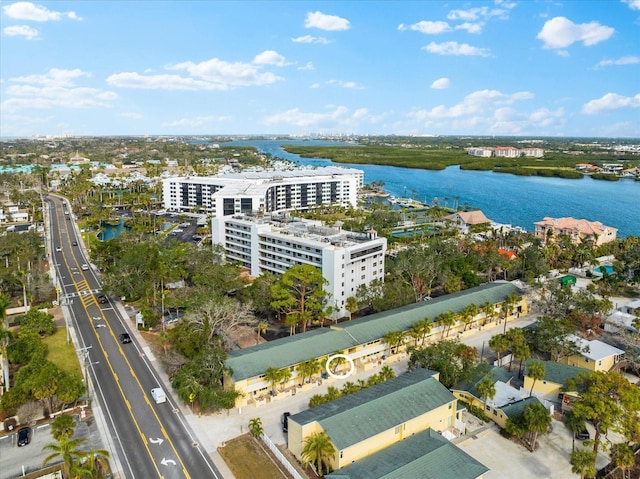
(509, 199)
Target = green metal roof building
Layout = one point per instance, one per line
(284, 352)
(426, 455)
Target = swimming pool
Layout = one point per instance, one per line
(605, 268)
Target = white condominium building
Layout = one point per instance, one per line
(279, 242)
(263, 191)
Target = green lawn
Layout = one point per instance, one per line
(60, 353)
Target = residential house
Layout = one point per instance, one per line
(372, 419)
(425, 455)
(632, 307)
(594, 355)
(556, 381)
(579, 230)
(619, 321)
(464, 220)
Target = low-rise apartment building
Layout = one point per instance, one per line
(278, 242)
(362, 340)
(263, 191)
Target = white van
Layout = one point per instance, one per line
(158, 395)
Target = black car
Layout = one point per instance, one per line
(24, 436)
(102, 299)
(285, 421)
(74, 243)
(582, 435)
(125, 338)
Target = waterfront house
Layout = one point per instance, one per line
(579, 230)
(464, 221)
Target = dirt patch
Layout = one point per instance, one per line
(248, 459)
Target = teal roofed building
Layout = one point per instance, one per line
(375, 418)
(426, 455)
(360, 339)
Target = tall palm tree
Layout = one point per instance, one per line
(486, 389)
(446, 320)
(573, 423)
(318, 450)
(500, 344)
(420, 330)
(538, 420)
(262, 328)
(489, 311)
(535, 370)
(65, 449)
(273, 375)
(94, 463)
(393, 340)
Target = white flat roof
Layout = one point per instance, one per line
(595, 349)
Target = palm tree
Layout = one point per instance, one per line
(262, 328)
(63, 425)
(535, 370)
(446, 320)
(622, 456)
(273, 375)
(318, 450)
(393, 339)
(583, 462)
(507, 307)
(500, 344)
(65, 449)
(489, 311)
(420, 330)
(284, 376)
(538, 420)
(467, 315)
(486, 389)
(255, 427)
(573, 423)
(93, 463)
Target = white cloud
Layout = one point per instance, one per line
(441, 84)
(633, 4)
(315, 85)
(335, 117)
(346, 84)
(311, 39)
(473, 14)
(35, 13)
(560, 32)
(195, 122)
(455, 48)
(161, 82)
(226, 75)
(470, 27)
(326, 22)
(477, 102)
(56, 77)
(611, 101)
(307, 66)
(131, 114)
(629, 60)
(562, 53)
(21, 31)
(269, 57)
(31, 97)
(430, 28)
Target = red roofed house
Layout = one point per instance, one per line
(578, 230)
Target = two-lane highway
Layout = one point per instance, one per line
(148, 439)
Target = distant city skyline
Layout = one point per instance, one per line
(497, 68)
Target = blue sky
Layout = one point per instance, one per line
(532, 68)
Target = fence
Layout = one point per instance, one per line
(283, 460)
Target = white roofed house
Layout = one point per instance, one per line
(594, 355)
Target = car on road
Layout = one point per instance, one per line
(158, 395)
(102, 299)
(58, 249)
(74, 243)
(24, 436)
(125, 338)
(84, 267)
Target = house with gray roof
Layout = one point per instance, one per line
(425, 455)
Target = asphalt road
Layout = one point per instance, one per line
(145, 439)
